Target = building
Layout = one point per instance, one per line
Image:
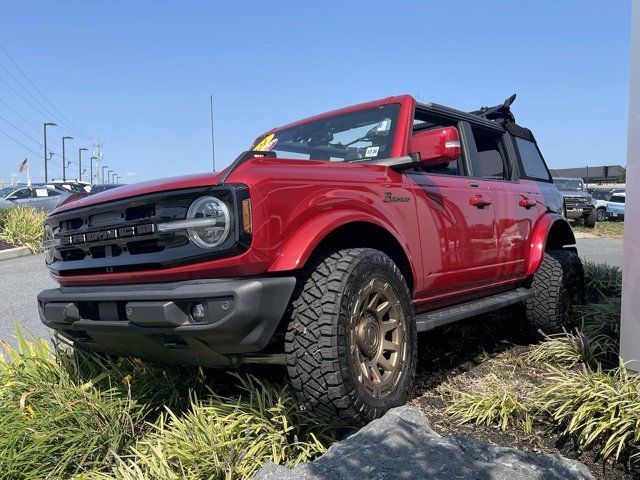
(598, 175)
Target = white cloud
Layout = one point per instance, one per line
(130, 174)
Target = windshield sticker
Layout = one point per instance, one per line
(266, 144)
(372, 152)
(383, 125)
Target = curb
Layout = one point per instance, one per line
(14, 253)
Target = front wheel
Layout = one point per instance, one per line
(590, 220)
(601, 215)
(351, 340)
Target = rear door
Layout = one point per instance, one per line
(518, 203)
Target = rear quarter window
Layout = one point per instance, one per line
(532, 162)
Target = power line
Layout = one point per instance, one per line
(64, 117)
(20, 116)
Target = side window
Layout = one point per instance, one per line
(490, 154)
(22, 193)
(52, 193)
(532, 162)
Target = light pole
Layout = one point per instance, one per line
(46, 124)
(109, 176)
(64, 161)
(103, 167)
(91, 168)
(80, 150)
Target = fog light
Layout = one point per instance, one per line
(197, 312)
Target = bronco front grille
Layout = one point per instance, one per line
(123, 235)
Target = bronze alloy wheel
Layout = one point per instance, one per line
(377, 337)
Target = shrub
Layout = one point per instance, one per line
(495, 402)
(564, 348)
(601, 281)
(598, 408)
(66, 414)
(600, 322)
(23, 226)
(54, 424)
(226, 437)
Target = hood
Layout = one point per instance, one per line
(143, 188)
(575, 193)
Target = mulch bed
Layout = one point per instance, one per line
(4, 245)
(468, 352)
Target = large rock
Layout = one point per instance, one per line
(401, 445)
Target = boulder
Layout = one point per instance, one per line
(401, 445)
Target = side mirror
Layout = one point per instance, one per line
(435, 147)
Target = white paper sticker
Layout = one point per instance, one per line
(382, 126)
(372, 152)
(41, 192)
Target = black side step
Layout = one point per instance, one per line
(436, 318)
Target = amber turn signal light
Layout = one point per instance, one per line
(246, 215)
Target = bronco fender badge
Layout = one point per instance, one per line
(389, 198)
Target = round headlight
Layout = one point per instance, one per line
(216, 231)
(49, 250)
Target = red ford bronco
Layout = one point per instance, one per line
(326, 247)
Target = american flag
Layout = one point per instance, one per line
(23, 165)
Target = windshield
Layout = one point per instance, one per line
(601, 194)
(4, 191)
(354, 136)
(568, 184)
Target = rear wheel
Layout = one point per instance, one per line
(351, 340)
(559, 285)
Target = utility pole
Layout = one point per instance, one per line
(91, 169)
(64, 160)
(80, 150)
(213, 149)
(46, 157)
(97, 155)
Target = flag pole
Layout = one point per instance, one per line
(28, 176)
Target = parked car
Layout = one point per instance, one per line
(103, 187)
(615, 207)
(324, 248)
(40, 198)
(70, 185)
(579, 204)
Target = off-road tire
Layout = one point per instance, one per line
(601, 215)
(319, 341)
(559, 285)
(590, 220)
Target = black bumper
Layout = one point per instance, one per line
(154, 321)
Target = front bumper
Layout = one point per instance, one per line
(615, 216)
(581, 211)
(154, 321)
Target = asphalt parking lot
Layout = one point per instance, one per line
(21, 279)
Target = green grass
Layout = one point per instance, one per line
(74, 415)
(23, 226)
(569, 349)
(603, 229)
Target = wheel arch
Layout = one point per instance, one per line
(323, 235)
(552, 231)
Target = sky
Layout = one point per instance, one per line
(138, 75)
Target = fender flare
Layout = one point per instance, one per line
(295, 252)
(540, 238)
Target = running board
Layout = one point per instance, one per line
(436, 318)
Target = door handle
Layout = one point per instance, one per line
(526, 203)
(479, 201)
